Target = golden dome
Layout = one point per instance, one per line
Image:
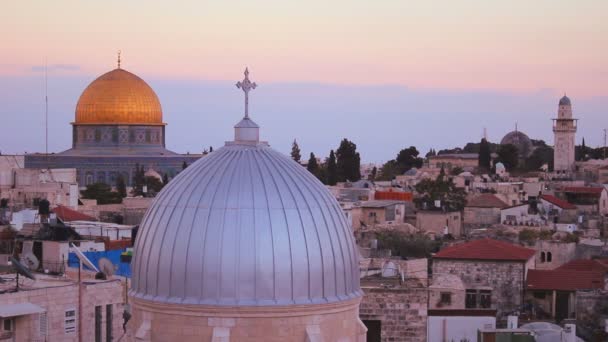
(118, 97)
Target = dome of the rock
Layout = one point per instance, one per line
(118, 97)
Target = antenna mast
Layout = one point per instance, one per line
(46, 112)
(605, 133)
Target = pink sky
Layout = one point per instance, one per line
(517, 45)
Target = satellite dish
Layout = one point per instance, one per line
(21, 269)
(83, 258)
(30, 261)
(106, 266)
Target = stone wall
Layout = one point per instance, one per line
(559, 252)
(402, 312)
(155, 321)
(57, 300)
(591, 314)
(481, 216)
(435, 221)
(504, 278)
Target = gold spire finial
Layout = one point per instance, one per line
(118, 59)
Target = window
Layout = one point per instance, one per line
(478, 299)
(446, 298)
(98, 323)
(7, 324)
(109, 323)
(69, 322)
(549, 257)
(542, 256)
(485, 299)
(471, 299)
(43, 323)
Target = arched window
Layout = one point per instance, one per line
(549, 257)
(542, 256)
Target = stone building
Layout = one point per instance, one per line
(60, 308)
(394, 311)
(493, 273)
(439, 222)
(553, 254)
(25, 187)
(465, 161)
(553, 293)
(378, 212)
(118, 124)
(564, 130)
(483, 210)
(245, 245)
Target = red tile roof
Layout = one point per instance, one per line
(558, 202)
(486, 201)
(564, 280)
(66, 214)
(584, 190)
(596, 265)
(486, 249)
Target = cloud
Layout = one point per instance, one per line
(56, 67)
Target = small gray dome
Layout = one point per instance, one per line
(245, 226)
(564, 101)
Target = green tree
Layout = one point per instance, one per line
(332, 169)
(295, 151)
(407, 245)
(484, 155)
(541, 156)
(388, 170)
(372, 175)
(313, 166)
(431, 153)
(138, 180)
(165, 179)
(102, 193)
(210, 149)
(121, 186)
(440, 189)
(509, 156)
(348, 162)
(153, 186)
(407, 159)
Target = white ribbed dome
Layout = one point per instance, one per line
(245, 226)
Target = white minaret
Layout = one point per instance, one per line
(564, 128)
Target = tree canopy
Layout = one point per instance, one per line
(331, 169)
(509, 156)
(406, 159)
(485, 156)
(295, 151)
(348, 162)
(102, 193)
(440, 189)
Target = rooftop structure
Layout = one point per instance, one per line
(486, 249)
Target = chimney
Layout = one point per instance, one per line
(570, 332)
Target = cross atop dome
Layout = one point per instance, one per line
(118, 59)
(246, 131)
(246, 85)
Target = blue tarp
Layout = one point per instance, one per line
(121, 268)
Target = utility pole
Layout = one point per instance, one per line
(605, 131)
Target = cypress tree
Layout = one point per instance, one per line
(484, 155)
(348, 162)
(332, 169)
(295, 151)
